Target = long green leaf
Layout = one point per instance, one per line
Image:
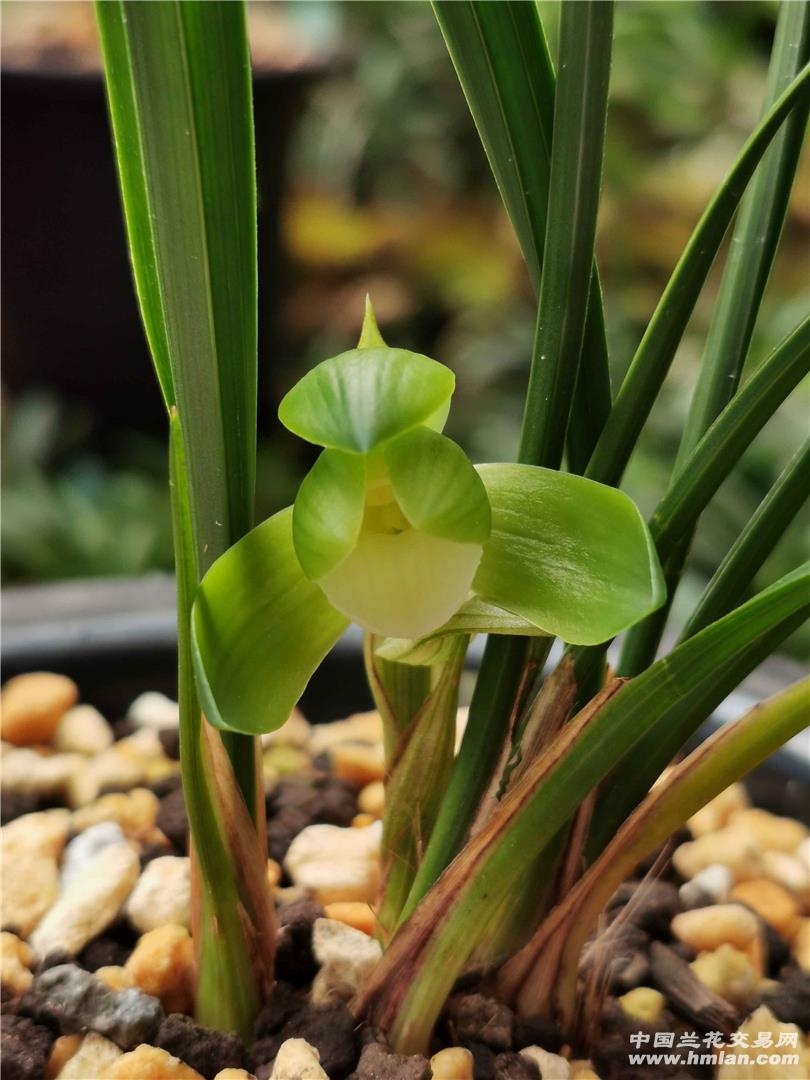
(754, 544)
(755, 238)
(228, 994)
(580, 108)
(502, 60)
(635, 776)
(734, 430)
(666, 327)
(745, 275)
(418, 970)
(725, 757)
(178, 85)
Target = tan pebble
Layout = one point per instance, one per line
(362, 821)
(454, 1063)
(115, 977)
(365, 727)
(336, 863)
(30, 846)
(32, 705)
(62, 1051)
(755, 951)
(274, 873)
(353, 913)
(801, 945)
(582, 1070)
(789, 871)
(707, 928)
(15, 963)
(728, 972)
(110, 769)
(551, 1066)
(371, 799)
(290, 894)
(150, 1063)
(160, 769)
(142, 746)
(297, 1060)
(43, 833)
(643, 1004)
(135, 811)
(295, 731)
(761, 1023)
(162, 964)
(82, 730)
(715, 814)
(731, 847)
(234, 1074)
(92, 1061)
(358, 764)
(770, 832)
(773, 902)
(89, 904)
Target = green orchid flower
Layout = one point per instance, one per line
(396, 530)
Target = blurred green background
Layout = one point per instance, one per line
(384, 189)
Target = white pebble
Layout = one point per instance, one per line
(40, 774)
(162, 895)
(347, 957)
(714, 881)
(153, 710)
(336, 863)
(551, 1066)
(297, 1060)
(83, 849)
(89, 905)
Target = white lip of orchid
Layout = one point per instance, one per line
(399, 581)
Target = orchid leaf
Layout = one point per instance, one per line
(436, 486)
(359, 399)
(571, 556)
(260, 628)
(328, 511)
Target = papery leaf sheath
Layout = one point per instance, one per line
(437, 486)
(572, 556)
(363, 397)
(328, 511)
(260, 628)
